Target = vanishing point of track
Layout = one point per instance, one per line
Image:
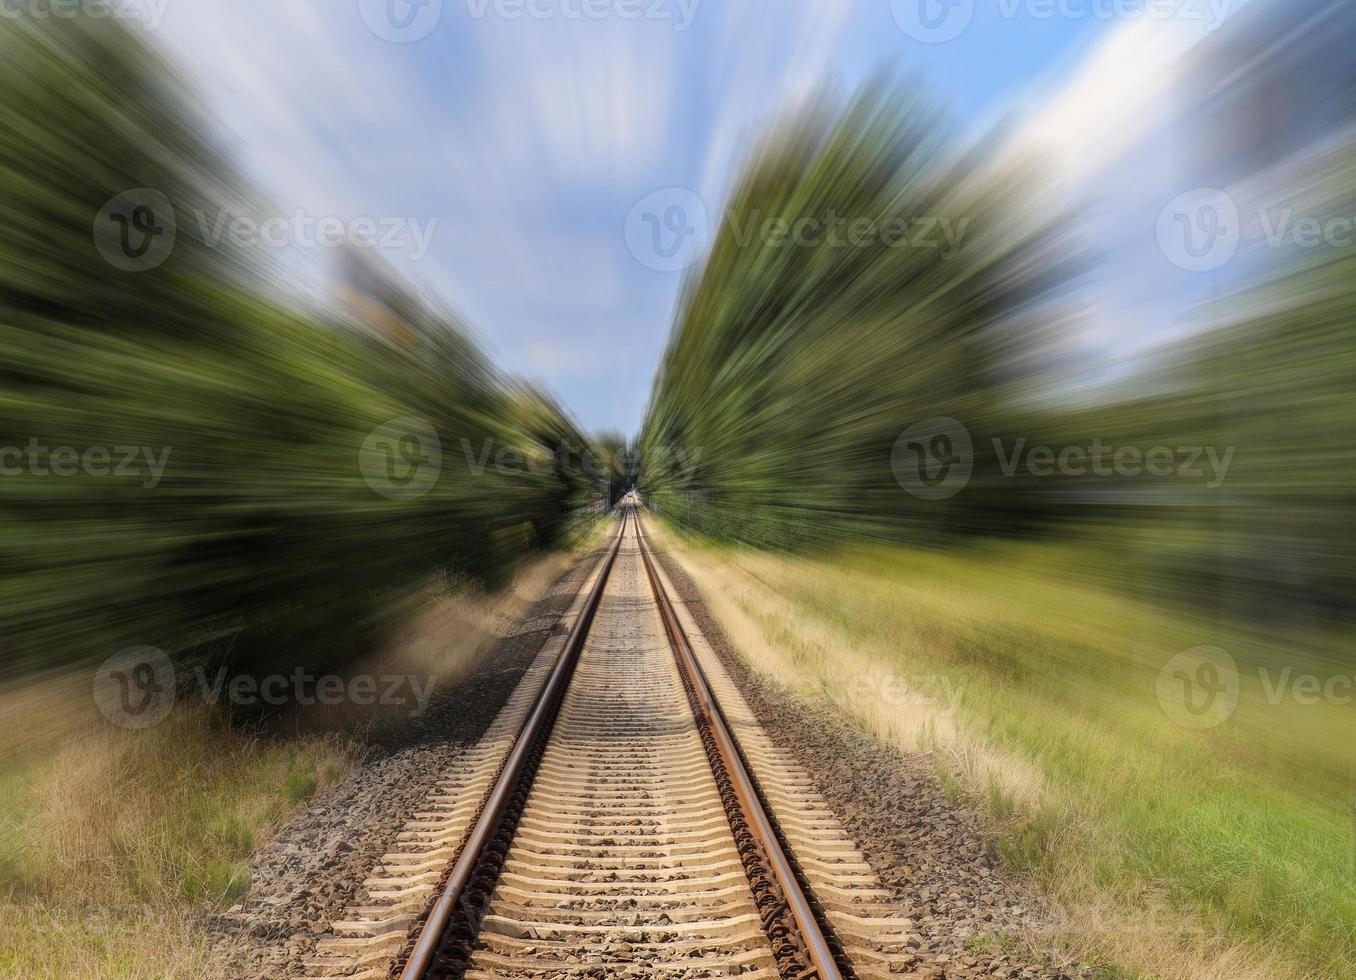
(624, 816)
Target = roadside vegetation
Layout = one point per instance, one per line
(115, 843)
(1217, 854)
(268, 522)
(259, 537)
(114, 840)
(1026, 620)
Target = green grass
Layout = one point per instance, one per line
(1245, 826)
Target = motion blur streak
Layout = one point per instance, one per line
(800, 375)
(941, 425)
(795, 366)
(1007, 404)
(259, 537)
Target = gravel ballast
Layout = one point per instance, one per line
(972, 919)
(315, 866)
(929, 852)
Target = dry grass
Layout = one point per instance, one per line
(929, 662)
(112, 840)
(780, 640)
(440, 648)
(109, 838)
(42, 942)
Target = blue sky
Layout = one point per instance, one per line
(531, 137)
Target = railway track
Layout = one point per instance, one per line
(624, 816)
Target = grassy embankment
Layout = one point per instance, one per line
(112, 841)
(1223, 853)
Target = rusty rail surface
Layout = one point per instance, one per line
(451, 917)
(793, 921)
(803, 944)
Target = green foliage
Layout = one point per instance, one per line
(1244, 829)
(261, 543)
(1271, 386)
(1276, 387)
(794, 367)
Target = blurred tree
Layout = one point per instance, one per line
(857, 286)
(256, 522)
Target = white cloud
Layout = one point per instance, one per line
(1124, 90)
(596, 96)
(522, 137)
(1109, 142)
(773, 56)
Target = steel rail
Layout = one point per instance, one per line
(534, 730)
(817, 946)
